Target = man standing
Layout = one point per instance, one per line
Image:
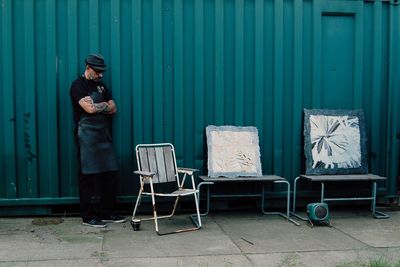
(93, 108)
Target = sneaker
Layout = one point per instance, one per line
(94, 223)
(113, 219)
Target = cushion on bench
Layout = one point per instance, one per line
(233, 151)
(335, 142)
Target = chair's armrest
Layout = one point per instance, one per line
(146, 174)
(187, 170)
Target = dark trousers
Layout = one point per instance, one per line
(103, 185)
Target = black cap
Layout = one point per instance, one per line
(96, 62)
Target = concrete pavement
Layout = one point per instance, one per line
(244, 238)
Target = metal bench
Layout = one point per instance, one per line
(205, 180)
(342, 178)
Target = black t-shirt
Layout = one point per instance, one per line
(82, 87)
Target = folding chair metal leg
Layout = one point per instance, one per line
(180, 230)
(155, 218)
(196, 221)
(173, 210)
(153, 201)
(138, 199)
(175, 205)
(167, 216)
(196, 200)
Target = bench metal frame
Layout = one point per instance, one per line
(342, 178)
(208, 181)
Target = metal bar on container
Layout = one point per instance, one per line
(219, 62)
(122, 116)
(93, 14)
(7, 102)
(317, 55)
(239, 63)
(158, 91)
(30, 128)
(278, 88)
(393, 98)
(73, 73)
(259, 70)
(199, 107)
(376, 85)
(50, 177)
(137, 73)
(179, 103)
(297, 85)
(359, 51)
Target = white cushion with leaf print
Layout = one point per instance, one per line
(233, 151)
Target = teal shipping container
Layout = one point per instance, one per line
(176, 66)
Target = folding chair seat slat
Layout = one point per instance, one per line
(177, 193)
(184, 192)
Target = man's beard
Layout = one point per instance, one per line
(93, 78)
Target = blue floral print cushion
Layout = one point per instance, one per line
(335, 141)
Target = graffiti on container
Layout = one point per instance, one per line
(27, 140)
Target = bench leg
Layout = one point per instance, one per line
(293, 212)
(287, 215)
(322, 192)
(194, 216)
(375, 213)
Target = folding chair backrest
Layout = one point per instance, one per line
(158, 158)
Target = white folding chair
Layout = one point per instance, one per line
(157, 165)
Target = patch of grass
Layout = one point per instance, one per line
(373, 263)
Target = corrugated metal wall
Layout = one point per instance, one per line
(176, 66)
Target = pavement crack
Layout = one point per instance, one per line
(102, 256)
(233, 241)
(352, 237)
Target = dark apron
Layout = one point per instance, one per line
(95, 144)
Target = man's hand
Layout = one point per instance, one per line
(87, 99)
(112, 108)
